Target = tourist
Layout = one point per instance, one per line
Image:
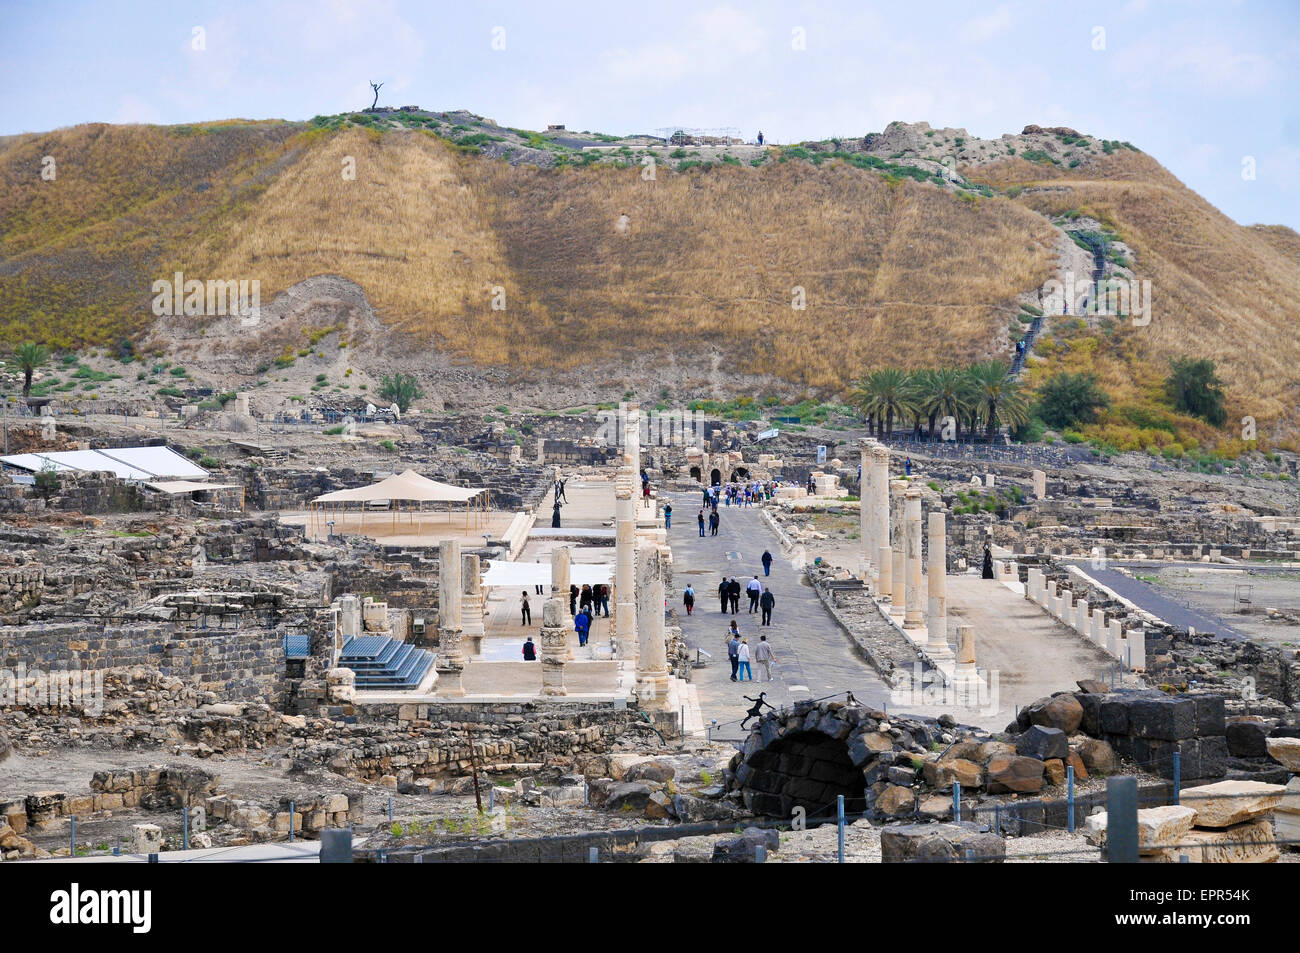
(733, 591)
(539, 585)
(767, 563)
(688, 599)
(530, 650)
(764, 657)
(573, 600)
(604, 599)
(582, 625)
(668, 516)
(907, 466)
(724, 593)
(584, 599)
(755, 589)
(742, 656)
(760, 134)
(733, 649)
(988, 562)
(714, 522)
(701, 522)
(767, 603)
(526, 610)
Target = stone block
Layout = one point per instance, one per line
(939, 843)
(1286, 752)
(1043, 743)
(942, 774)
(146, 838)
(1165, 719)
(1231, 802)
(1250, 842)
(1014, 774)
(1063, 712)
(1247, 737)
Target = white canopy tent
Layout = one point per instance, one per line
(406, 487)
(523, 575)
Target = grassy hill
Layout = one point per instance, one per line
(598, 264)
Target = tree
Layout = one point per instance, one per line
(884, 395)
(47, 482)
(401, 389)
(945, 392)
(1195, 388)
(1067, 399)
(29, 357)
(998, 398)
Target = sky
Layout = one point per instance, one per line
(1207, 88)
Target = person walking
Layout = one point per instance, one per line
(700, 519)
(573, 600)
(907, 466)
(526, 610)
(582, 625)
(714, 521)
(539, 585)
(742, 656)
(604, 599)
(733, 649)
(760, 137)
(764, 657)
(584, 599)
(755, 589)
(688, 599)
(724, 593)
(767, 563)
(530, 650)
(767, 603)
(733, 590)
(668, 516)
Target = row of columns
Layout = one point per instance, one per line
(1087, 621)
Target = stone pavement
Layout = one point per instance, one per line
(814, 657)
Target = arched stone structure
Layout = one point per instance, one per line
(739, 475)
(696, 475)
(807, 756)
(715, 477)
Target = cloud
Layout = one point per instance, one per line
(132, 108)
(980, 29)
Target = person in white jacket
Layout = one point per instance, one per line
(743, 655)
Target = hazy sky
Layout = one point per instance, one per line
(1199, 85)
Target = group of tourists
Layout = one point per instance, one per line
(739, 654)
(586, 604)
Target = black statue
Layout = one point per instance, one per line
(555, 517)
(988, 561)
(375, 87)
(756, 711)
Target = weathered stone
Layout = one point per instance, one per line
(1043, 743)
(942, 774)
(906, 843)
(659, 772)
(1163, 826)
(1062, 712)
(1231, 802)
(629, 796)
(1080, 769)
(989, 749)
(1247, 737)
(1054, 771)
(1097, 756)
(1247, 843)
(1164, 718)
(895, 801)
(743, 849)
(689, 809)
(1014, 774)
(659, 806)
(1285, 751)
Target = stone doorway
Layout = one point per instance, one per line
(805, 769)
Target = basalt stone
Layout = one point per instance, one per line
(1090, 704)
(743, 849)
(1203, 758)
(1043, 743)
(1060, 711)
(1209, 714)
(1246, 738)
(939, 843)
(1112, 716)
(1166, 719)
(1014, 774)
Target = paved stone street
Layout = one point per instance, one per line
(813, 655)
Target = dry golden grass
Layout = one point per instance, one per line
(1219, 290)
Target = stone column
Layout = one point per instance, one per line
(936, 621)
(884, 573)
(472, 605)
(541, 451)
(914, 615)
(625, 573)
(1040, 484)
(1082, 615)
(555, 643)
(1114, 637)
(632, 439)
(965, 652)
(1136, 643)
(1098, 634)
(652, 663)
(866, 519)
(560, 579)
(899, 578)
(880, 514)
(451, 658)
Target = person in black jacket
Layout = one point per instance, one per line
(724, 593)
(766, 602)
(530, 650)
(573, 600)
(733, 590)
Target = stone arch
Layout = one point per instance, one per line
(696, 475)
(739, 475)
(804, 769)
(715, 477)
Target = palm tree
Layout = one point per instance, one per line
(883, 394)
(997, 398)
(944, 392)
(29, 357)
